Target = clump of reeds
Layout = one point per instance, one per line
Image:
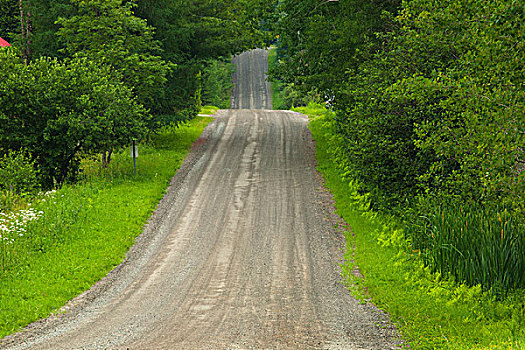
(476, 245)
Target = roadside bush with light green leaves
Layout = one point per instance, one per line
(17, 173)
(60, 111)
(216, 83)
(432, 308)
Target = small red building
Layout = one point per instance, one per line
(4, 43)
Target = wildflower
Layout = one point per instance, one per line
(14, 224)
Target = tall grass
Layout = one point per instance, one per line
(45, 225)
(476, 245)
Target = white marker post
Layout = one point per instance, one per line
(134, 154)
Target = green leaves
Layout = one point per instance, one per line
(9, 19)
(320, 41)
(429, 108)
(17, 173)
(438, 108)
(60, 110)
(108, 32)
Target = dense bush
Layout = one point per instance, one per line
(58, 111)
(122, 41)
(18, 173)
(319, 41)
(438, 114)
(216, 83)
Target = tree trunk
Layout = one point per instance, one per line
(22, 26)
(28, 35)
(25, 30)
(106, 158)
(110, 152)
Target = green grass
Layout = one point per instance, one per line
(208, 110)
(275, 85)
(85, 230)
(431, 311)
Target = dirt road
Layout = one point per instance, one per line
(250, 89)
(242, 252)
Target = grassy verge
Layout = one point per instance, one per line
(208, 110)
(431, 311)
(275, 85)
(76, 235)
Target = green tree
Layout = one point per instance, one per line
(320, 42)
(216, 86)
(43, 15)
(60, 111)
(9, 19)
(17, 173)
(108, 32)
(195, 33)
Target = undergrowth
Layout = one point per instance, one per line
(70, 238)
(275, 84)
(431, 310)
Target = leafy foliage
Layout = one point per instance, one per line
(432, 310)
(60, 110)
(320, 41)
(429, 110)
(106, 31)
(111, 68)
(195, 33)
(448, 78)
(17, 173)
(216, 83)
(9, 19)
(437, 113)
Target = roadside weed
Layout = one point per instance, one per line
(476, 245)
(208, 110)
(276, 85)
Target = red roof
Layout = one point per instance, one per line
(4, 43)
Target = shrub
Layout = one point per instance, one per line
(437, 113)
(60, 110)
(17, 173)
(216, 83)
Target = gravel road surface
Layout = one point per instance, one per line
(241, 253)
(250, 89)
